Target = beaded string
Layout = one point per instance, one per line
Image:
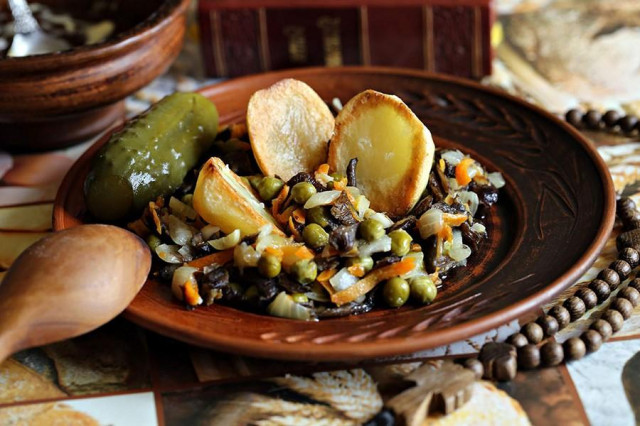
(611, 120)
(532, 346)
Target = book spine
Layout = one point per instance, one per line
(447, 39)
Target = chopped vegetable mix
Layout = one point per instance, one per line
(319, 250)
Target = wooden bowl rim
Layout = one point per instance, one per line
(168, 11)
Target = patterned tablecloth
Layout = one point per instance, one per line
(122, 374)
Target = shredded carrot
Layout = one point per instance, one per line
(154, 216)
(326, 275)
(372, 279)
(454, 219)
(218, 258)
(356, 270)
(191, 294)
(279, 200)
(294, 230)
(462, 171)
(275, 251)
(446, 233)
(283, 218)
(299, 215)
(442, 165)
(293, 253)
(416, 247)
(339, 185)
(323, 168)
(160, 202)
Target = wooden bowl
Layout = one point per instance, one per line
(552, 218)
(58, 99)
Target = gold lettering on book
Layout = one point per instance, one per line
(296, 43)
(331, 42)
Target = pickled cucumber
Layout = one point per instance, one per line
(151, 156)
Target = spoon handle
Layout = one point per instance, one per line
(24, 21)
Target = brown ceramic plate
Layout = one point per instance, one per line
(552, 219)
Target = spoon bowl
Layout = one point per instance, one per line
(29, 39)
(69, 283)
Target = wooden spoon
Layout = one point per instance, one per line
(69, 283)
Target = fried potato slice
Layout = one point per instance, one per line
(223, 199)
(289, 127)
(394, 150)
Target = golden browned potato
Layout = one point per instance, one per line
(222, 199)
(394, 150)
(289, 126)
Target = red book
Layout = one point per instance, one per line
(250, 36)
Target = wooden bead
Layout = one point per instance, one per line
(611, 277)
(574, 349)
(630, 255)
(575, 306)
(592, 340)
(528, 357)
(633, 223)
(601, 289)
(533, 332)
(551, 354)
(622, 268)
(631, 294)
(602, 327)
(635, 283)
(499, 361)
(574, 117)
(614, 318)
(518, 340)
(623, 306)
(627, 123)
(625, 207)
(474, 365)
(561, 314)
(592, 119)
(611, 117)
(588, 296)
(549, 325)
(628, 239)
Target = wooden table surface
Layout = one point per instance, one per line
(122, 374)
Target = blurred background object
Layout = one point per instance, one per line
(565, 53)
(240, 37)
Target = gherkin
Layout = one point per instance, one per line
(150, 156)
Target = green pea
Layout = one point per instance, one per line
(269, 187)
(371, 230)
(366, 262)
(269, 265)
(254, 181)
(251, 293)
(153, 241)
(423, 289)
(236, 288)
(302, 191)
(396, 292)
(400, 242)
(315, 236)
(299, 297)
(304, 271)
(337, 176)
(318, 215)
